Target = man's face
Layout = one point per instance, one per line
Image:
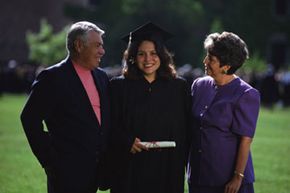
(92, 50)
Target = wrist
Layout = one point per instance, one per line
(239, 174)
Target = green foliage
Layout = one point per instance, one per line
(45, 47)
(216, 26)
(130, 6)
(255, 64)
(181, 17)
(189, 20)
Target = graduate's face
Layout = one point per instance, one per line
(148, 60)
(91, 51)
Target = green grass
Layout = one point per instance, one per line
(20, 171)
(271, 151)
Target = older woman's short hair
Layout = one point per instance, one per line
(229, 48)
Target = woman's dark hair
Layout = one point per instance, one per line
(166, 69)
(229, 48)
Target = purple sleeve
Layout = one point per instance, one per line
(246, 113)
(193, 86)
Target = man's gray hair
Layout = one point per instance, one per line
(80, 30)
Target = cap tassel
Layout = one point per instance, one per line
(125, 54)
(130, 40)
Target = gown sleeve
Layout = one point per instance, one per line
(121, 139)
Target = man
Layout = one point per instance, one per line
(71, 98)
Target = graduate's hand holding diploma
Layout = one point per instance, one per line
(137, 146)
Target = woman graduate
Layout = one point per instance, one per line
(149, 104)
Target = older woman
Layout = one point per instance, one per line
(224, 114)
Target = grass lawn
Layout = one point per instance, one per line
(20, 171)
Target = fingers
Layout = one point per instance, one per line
(137, 146)
(230, 188)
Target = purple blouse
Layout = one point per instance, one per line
(220, 114)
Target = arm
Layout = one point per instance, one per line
(188, 106)
(120, 139)
(246, 115)
(242, 158)
(34, 112)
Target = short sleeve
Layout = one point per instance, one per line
(193, 86)
(246, 113)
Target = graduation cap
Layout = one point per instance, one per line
(147, 31)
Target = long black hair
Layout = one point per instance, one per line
(166, 69)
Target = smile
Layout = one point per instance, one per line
(148, 65)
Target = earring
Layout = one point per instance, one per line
(224, 71)
(131, 60)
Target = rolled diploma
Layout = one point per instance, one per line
(158, 144)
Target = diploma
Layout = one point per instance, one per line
(158, 144)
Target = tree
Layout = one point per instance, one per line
(183, 18)
(45, 47)
(255, 64)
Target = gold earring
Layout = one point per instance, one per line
(131, 60)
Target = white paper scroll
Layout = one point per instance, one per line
(159, 144)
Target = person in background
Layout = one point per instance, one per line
(71, 98)
(224, 115)
(150, 103)
(269, 88)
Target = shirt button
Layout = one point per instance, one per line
(206, 107)
(200, 128)
(199, 151)
(201, 114)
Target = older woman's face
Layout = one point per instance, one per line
(212, 66)
(148, 60)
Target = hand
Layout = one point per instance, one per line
(137, 146)
(234, 185)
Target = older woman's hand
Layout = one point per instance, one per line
(234, 185)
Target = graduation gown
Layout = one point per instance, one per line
(157, 111)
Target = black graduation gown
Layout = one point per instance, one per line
(157, 111)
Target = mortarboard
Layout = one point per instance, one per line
(148, 30)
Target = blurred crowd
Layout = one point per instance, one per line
(16, 78)
(274, 86)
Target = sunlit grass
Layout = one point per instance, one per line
(20, 171)
(271, 151)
